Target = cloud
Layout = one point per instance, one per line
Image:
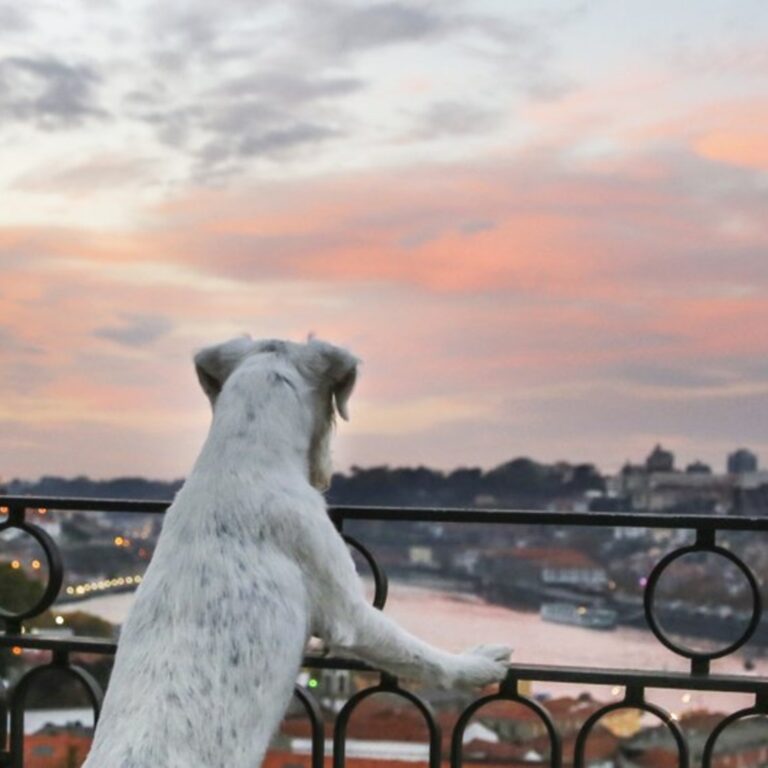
(346, 28)
(12, 343)
(136, 330)
(22, 362)
(289, 89)
(672, 377)
(747, 148)
(48, 92)
(454, 118)
(12, 20)
(269, 115)
(92, 175)
(281, 139)
(533, 226)
(278, 83)
(260, 133)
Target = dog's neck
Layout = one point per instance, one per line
(257, 440)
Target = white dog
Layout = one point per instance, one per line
(248, 566)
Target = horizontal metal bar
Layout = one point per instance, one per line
(591, 676)
(86, 505)
(642, 678)
(534, 672)
(541, 517)
(437, 514)
(43, 642)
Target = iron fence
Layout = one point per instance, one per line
(705, 530)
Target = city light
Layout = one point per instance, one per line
(16, 651)
(103, 585)
(119, 541)
(15, 564)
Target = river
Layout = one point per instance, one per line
(453, 621)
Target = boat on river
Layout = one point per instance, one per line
(588, 616)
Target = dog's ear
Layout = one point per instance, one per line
(215, 364)
(344, 386)
(338, 367)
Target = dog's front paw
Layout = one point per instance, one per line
(481, 665)
(317, 647)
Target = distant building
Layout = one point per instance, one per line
(751, 494)
(660, 460)
(742, 461)
(421, 556)
(656, 486)
(631, 480)
(694, 492)
(55, 745)
(543, 567)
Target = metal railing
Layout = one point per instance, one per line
(635, 683)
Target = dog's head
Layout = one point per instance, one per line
(314, 381)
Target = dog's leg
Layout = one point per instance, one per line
(378, 640)
(349, 625)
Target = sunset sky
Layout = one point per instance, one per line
(541, 224)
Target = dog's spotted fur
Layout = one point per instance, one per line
(247, 567)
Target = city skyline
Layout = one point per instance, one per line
(541, 228)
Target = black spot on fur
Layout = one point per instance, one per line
(278, 378)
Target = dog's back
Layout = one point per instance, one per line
(208, 657)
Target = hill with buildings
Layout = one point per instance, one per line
(654, 485)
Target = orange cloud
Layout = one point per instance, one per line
(730, 131)
(748, 149)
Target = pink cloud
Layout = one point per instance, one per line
(512, 286)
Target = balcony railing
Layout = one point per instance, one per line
(708, 535)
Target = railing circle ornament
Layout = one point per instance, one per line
(381, 583)
(55, 568)
(508, 691)
(759, 710)
(632, 700)
(664, 638)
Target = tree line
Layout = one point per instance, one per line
(519, 482)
